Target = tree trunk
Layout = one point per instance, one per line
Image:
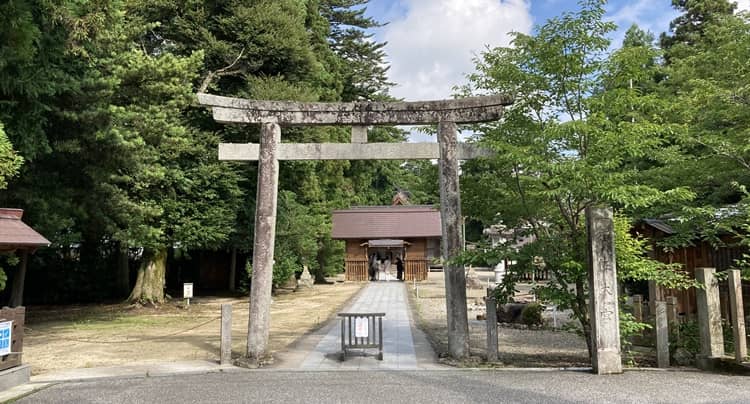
(149, 285)
(233, 270)
(16, 295)
(583, 316)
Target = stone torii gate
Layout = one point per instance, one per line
(271, 114)
(447, 113)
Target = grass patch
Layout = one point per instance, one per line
(129, 322)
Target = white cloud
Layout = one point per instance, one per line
(431, 47)
(743, 5)
(648, 15)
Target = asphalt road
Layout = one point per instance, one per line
(388, 387)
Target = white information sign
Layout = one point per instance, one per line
(6, 337)
(361, 327)
(187, 290)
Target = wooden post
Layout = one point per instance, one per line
(450, 214)
(709, 318)
(638, 308)
(605, 318)
(662, 335)
(265, 235)
(226, 334)
(19, 281)
(491, 318)
(672, 317)
(738, 315)
(653, 296)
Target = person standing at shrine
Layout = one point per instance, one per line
(399, 269)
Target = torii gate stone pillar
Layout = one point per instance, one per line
(271, 114)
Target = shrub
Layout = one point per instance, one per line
(532, 314)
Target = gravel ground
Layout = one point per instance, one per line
(517, 347)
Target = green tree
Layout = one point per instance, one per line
(10, 161)
(708, 90)
(567, 142)
(364, 68)
(689, 28)
(168, 189)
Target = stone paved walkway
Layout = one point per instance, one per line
(404, 347)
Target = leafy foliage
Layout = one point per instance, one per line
(97, 99)
(584, 125)
(532, 314)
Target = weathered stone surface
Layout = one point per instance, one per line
(225, 347)
(709, 314)
(359, 134)
(738, 315)
(464, 110)
(605, 319)
(265, 234)
(305, 280)
(491, 319)
(662, 335)
(450, 214)
(672, 318)
(14, 376)
(349, 151)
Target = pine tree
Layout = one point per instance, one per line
(690, 27)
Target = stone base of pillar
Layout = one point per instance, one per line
(608, 362)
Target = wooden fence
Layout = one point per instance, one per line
(17, 316)
(539, 275)
(416, 269)
(356, 270)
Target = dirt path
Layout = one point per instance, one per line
(110, 335)
(517, 347)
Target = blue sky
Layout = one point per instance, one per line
(431, 43)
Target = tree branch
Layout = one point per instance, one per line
(224, 71)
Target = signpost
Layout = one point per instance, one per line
(6, 337)
(361, 327)
(187, 292)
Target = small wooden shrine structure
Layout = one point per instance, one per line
(16, 236)
(699, 254)
(412, 233)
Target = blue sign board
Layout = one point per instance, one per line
(5, 337)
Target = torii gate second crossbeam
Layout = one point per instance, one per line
(271, 114)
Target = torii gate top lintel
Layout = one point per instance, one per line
(462, 110)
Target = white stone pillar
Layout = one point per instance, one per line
(605, 318)
(662, 335)
(738, 315)
(225, 347)
(709, 317)
(265, 236)
(450, 214)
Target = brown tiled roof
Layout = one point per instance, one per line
(15, 233)
(393, 222)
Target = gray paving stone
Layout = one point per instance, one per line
(399, 352)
